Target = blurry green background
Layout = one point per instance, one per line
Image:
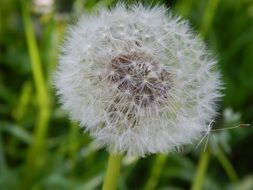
(39, 147)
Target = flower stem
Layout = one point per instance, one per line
(201, 170)
(228, 167)
(112, 172)
(156, 172)
(36, 150)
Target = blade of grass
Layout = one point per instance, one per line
(24, 100)
(19, 114)
(35, 153)
(34, 55)
(228, 167)
(18, 132)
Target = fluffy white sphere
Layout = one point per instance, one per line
(138, 80)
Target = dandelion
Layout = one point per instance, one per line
(138, 80)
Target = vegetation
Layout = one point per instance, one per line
(41, 149)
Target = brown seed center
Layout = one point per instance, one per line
(140, 77)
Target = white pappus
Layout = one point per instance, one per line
(138, 80)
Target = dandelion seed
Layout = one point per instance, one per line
(206, 137)
(146, 86)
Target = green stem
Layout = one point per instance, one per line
(35, 154)
(224, 161)
(34, 54)
(156, 172)
(41, 89)
(201, 170)
(112, 172)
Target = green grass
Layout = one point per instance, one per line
(40, 148)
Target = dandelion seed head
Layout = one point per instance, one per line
(138, 80)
